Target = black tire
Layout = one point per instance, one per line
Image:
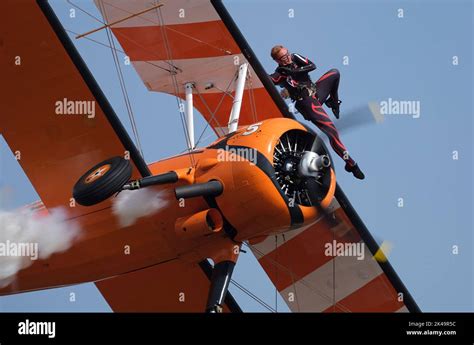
(102, 181)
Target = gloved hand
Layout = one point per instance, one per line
(284, 93)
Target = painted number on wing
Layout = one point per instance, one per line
(252, 128)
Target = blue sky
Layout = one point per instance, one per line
(409, 58)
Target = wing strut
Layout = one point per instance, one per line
(239, 92)
(188, 87)
(220, 280)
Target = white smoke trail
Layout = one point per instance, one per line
(26, 237)
(130, 205)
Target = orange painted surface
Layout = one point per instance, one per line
(305, 253)
(186, 41)
(170, 287)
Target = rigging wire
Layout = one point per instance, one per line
(175, 84)
(301, 281)
(253, 296)
(118, 50)
(213, 113)
(171, 29)
(123, 87)
(203, 139)
(174, 68)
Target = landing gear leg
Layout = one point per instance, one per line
(220, 280)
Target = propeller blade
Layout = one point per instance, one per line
(317, 145)
(314, 189)
(383, 252)
(360, 116)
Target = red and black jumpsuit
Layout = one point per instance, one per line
(295, 78)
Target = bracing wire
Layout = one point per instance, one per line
(118, 51)
(252, 295)
(173, 69)
(175, 84)
(123, 87)
(300, 280)
(172, 29)
(213, 113)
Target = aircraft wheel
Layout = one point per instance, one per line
(102, 181)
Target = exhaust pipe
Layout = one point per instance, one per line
(211, 188)
(199, 224)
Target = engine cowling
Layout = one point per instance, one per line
(273, 181)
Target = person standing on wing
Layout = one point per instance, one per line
(292, 75)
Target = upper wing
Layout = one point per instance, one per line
(54, 140)
(311, 278)
(193, 41)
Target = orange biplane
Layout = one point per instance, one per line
(267, 182)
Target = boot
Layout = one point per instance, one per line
(355, 170)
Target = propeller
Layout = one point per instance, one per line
(313, 161)
(302, 168)
(316, 161)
